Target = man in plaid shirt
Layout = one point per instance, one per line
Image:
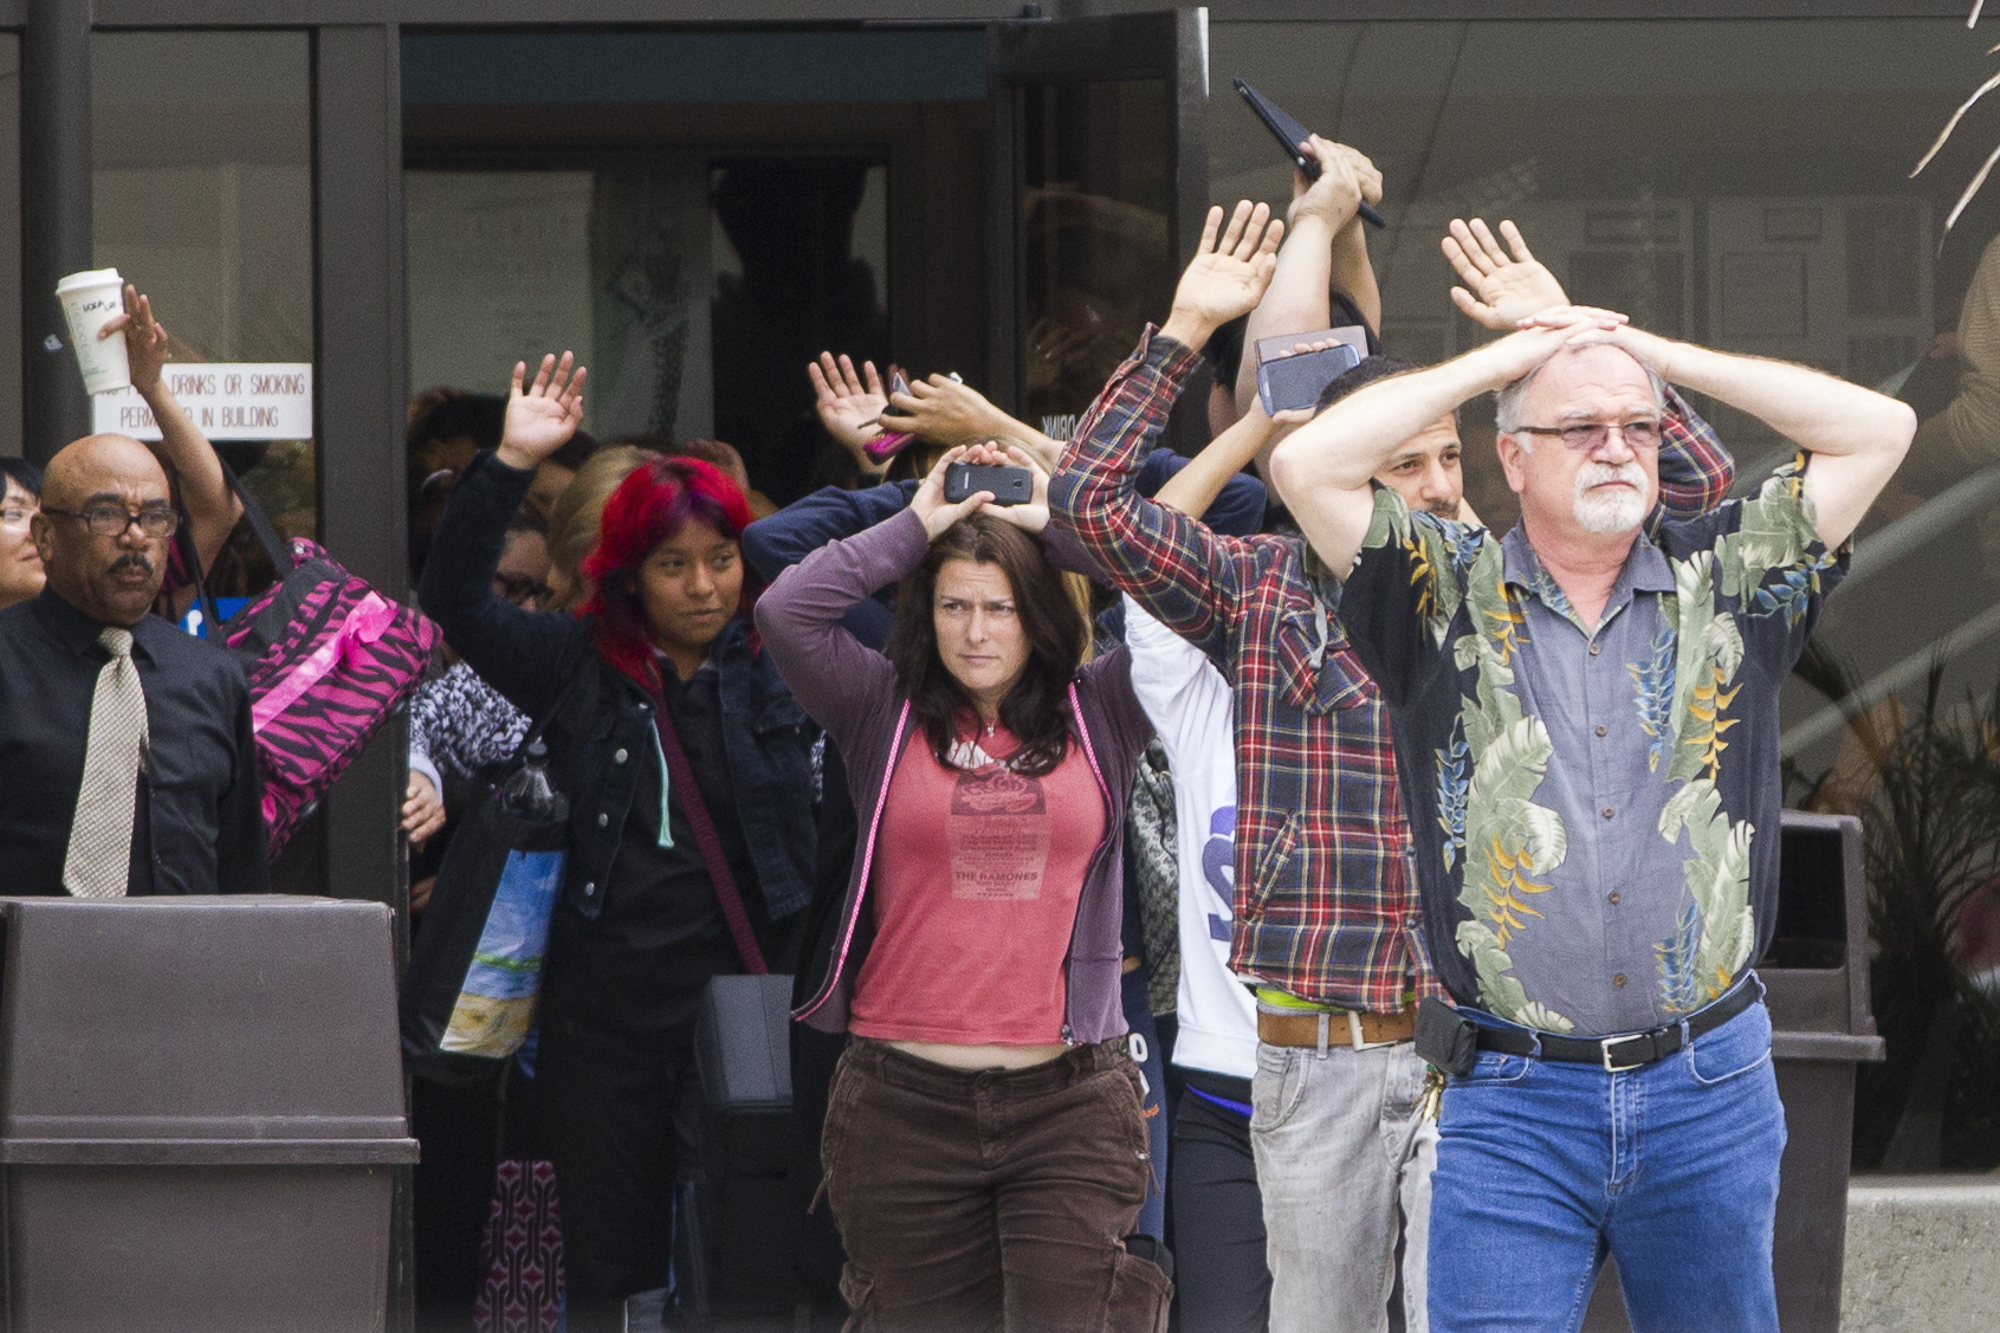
(1326, 915)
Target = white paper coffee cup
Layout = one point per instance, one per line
(90, 300)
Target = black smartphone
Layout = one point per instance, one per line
(1293, 382)
(1290, 134)
(1010, 485)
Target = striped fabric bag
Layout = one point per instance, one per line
(328, 659)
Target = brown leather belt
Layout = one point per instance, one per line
(1352, 1027)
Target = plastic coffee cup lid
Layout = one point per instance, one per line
(96, 277)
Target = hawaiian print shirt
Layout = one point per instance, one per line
(1587, 803)
(1325, 908)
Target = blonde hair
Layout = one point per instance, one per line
(576, 514)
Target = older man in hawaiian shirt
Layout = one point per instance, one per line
(1586, 728)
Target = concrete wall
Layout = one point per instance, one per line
(1923, 1255)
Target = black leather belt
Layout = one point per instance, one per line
(1618, 1054)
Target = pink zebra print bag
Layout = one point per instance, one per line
(328, 659)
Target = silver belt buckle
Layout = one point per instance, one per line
(1605, 1046)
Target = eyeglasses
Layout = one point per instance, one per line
(15, 516)
(1590, 434)
(112, 520)
(522, 590)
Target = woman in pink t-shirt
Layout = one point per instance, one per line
(985, 1148)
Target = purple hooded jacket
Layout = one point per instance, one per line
(852, 691)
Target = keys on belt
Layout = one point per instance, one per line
(1352, 1028)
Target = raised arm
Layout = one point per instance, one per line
(1194, 488)
(1325, 248)
(773, 545)
(850, 410)
(949, 412)
(212, 507)
(1857, 437)
(524, 654)
(831, 673)
(1179, 569)
(1323, 469)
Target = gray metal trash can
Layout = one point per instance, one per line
(1816, 981)
(201, 1106)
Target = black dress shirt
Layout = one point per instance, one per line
(199, 820)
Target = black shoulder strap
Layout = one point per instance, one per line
(267, 536)
(260, 523)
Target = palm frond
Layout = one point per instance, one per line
(1956, 116)
(1970, 190)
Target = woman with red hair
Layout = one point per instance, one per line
(686, 763)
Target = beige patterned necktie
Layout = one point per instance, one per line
(100, 838)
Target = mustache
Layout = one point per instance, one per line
(130, 560)
(1597, 474)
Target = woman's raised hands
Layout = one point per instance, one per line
(542, 417)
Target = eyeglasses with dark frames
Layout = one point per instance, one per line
(1587, 435)
(112, 520)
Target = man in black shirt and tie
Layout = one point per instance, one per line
(127, 764)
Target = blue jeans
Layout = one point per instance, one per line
(1543, 1168)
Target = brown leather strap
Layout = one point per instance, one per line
(1304, 1029)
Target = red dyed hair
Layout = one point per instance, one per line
(651, 506)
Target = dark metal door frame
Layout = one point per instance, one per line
(1160, 43)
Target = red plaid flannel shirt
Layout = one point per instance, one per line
(1325, 904)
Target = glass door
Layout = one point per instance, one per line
(1100, 181)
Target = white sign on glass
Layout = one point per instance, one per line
(498, 271)
(240, 401)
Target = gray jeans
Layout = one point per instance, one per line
(1344, 1163)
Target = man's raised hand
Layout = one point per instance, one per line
(1229, 274)
(542, 417)
(145, 340)
(944, 411)
(1504, 288)
(1541, 336)
(1346, 179)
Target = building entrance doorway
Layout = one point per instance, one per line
(698, 214)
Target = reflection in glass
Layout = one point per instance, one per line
(1097, 258)
(695, 288)
(202, 197)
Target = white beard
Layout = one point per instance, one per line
(1609, 511)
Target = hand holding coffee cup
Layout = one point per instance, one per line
(90, 300)
(145, 340)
